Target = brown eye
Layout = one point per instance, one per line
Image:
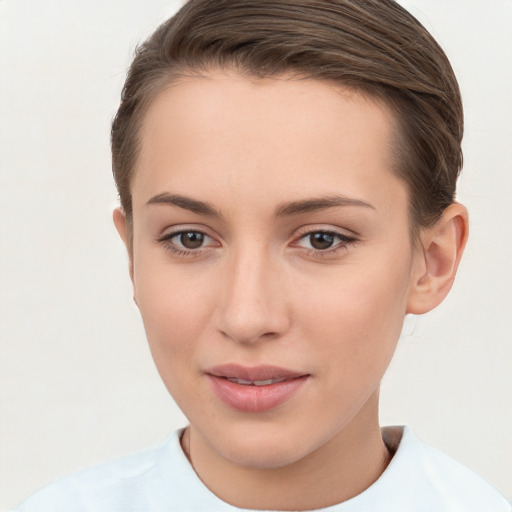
(188, 243)
(321, 241)
(327, 242)
(191, 239)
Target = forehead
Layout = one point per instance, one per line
(227, 133)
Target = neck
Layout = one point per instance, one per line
(339, 470)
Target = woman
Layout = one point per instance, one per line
(287, 181)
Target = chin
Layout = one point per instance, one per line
(261, 448)
(263, 457)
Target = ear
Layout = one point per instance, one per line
(438, 259)
(124, 231)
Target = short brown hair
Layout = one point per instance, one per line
(373, 46)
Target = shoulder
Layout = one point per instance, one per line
(455, 483)
(130, 483)
(421, 478)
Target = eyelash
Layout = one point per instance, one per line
(166, 241)
(343, 241)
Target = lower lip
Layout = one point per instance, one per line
(255, 398)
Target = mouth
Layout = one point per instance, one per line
(244, 382)
(255, 389)
(253, 375)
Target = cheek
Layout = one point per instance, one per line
(174, 312)
(356, 320)
(175, 308)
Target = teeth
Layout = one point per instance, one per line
(267, 382)
(255, 382)
(240, 381)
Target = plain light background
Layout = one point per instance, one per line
(77, 384)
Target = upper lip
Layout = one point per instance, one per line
(253, 373)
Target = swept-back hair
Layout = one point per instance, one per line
(372, 46)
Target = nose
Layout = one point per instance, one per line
(252, 305)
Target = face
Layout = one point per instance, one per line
(271, 259)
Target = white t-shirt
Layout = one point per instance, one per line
(418, 478)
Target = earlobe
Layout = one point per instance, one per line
(122, 227)
(441, 251)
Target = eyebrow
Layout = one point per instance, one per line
(283, 210)
(316, 204)
(187, 203)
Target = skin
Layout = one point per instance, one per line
(256, 292)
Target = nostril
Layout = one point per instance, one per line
(248, 333)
